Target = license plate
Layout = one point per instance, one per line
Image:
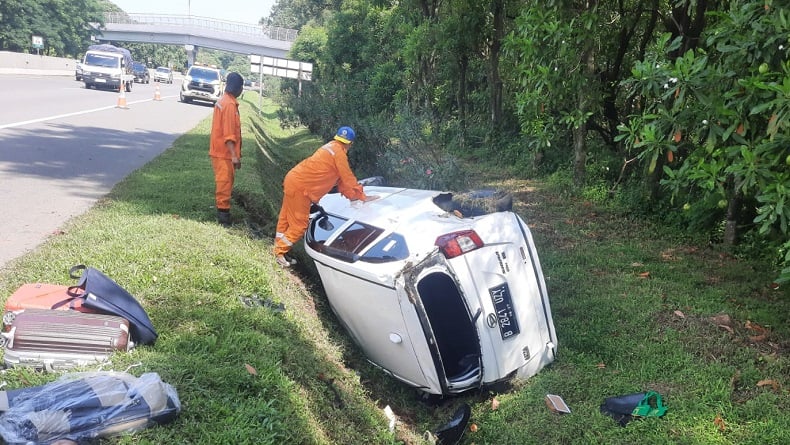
(100, 81)
(503, 307)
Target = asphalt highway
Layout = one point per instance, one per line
(63, 147)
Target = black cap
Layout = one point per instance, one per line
(234, 84)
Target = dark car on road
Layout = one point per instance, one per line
(141, 73)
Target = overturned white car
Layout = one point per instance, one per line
(444, 292)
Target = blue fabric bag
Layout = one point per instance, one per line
(104, 295)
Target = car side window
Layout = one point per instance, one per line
(390, 248)
(356, 237)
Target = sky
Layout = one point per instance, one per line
(245, 11)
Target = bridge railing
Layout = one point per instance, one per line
(206, 23)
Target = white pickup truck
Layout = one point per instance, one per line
(107, 66)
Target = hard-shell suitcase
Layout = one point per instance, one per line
(45, 296)
(57, 340)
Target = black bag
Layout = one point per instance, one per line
(634, 406)
(104, 295)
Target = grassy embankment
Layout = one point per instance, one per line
(636, 308)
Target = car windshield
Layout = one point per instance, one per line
(138, 67)
(163, 70)
(204, 74)
(102, 60)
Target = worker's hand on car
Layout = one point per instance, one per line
(371, 198)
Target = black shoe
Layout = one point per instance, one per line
(223, 218)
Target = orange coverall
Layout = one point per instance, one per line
(225, 126)
(307, 183)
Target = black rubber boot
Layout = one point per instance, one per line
(223, 217)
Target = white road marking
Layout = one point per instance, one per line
(60, 116)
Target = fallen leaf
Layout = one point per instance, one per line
(250, 369)
(473, 427)
(774, 285)
(644, 275)
(769, 382)
(757, 338)
(680, 314)
(726, 328)
(755, 327)
(719, 422)
(601, 365)
(740, 129)
(494, 403)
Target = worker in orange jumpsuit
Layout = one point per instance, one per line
(307, 183)
(225, 145)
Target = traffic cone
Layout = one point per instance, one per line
(157, 94)
(122, 98)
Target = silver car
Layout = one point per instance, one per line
(163, 74)
(444, 292)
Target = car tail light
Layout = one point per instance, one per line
(458, 243)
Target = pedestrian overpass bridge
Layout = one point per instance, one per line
(195, 32)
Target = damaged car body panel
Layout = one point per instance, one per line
(443, 298)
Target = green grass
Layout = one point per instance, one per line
(632, 303)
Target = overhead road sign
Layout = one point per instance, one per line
(290, 69)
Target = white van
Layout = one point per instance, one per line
(443, 294)
(107, 66)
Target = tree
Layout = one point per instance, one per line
(720, 114)
(567, 60)
(65, 26)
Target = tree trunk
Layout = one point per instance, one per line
(579, 154)
(687, 20)
(580, 131)
(498, 11)
(463, 66)
(733, 211)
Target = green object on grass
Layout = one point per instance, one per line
(651, 405)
